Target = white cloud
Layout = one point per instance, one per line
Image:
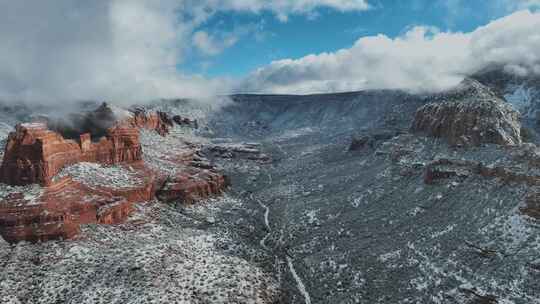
(422, 59)
(214, 43)
(283, 8)
(119, 50)
(210, 45)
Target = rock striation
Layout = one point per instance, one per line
(158, 121)
(479, 118)
(35, 154)
(192, 185)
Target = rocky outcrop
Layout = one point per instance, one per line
(157, 121)
(99, 121)
(442, 169)
(184, 121)
(34, 154)
(532, 203)
(34, 224)
(62, 207)
(445, 168)
(192, 185)
(479, 118)
(250, 151)
(520, 171)
(371, 141)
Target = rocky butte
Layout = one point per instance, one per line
(470, 115)
(42, 153)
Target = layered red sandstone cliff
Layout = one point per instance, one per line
(36, 155)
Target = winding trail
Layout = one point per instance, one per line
(266, 223)
(299, 283)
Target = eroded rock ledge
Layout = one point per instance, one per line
(89, 180)
(481, 118)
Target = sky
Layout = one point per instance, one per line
(57, 51)
(262, 38)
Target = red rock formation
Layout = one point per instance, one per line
(34, 154)
(66, 204)
(158, 121)
(20, 220)
(192, 185)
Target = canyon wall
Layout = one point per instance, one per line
(35, 154)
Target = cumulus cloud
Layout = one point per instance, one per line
(423, 59)
(118, 50)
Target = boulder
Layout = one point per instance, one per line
(471, 119)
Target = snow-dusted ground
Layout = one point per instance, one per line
(97, 175)
(162, 254)
(159, 256)
(325, 224)
(161, 153)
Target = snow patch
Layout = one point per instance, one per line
(97, 175)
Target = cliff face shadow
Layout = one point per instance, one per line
(95, 122)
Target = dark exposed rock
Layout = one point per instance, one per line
(248, 151)
(479, 118)
(449, 168)
(361, 143)
(445, 169)
(478, 298)
(532, 202)
(372, 140)
(184, 121)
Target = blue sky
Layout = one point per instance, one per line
(139, 50)
(327, 30)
